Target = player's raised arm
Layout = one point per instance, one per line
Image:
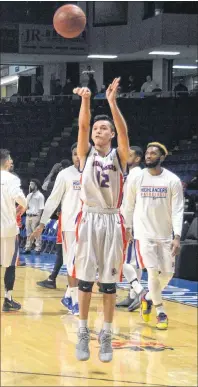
(84, 122)
(119, 121)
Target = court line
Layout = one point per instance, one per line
(82, 377)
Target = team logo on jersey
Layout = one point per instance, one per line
(111, 167)
(154, 192)
(76, 184)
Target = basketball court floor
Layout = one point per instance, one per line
(38, 342)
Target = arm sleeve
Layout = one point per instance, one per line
(129, 202)
(54, 199)
(177, 207)
(17, 193)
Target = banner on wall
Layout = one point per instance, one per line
(9, 38)
(43, 39)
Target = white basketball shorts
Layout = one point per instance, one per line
(68, 240)
(155, 254)
(100, 245)
(9, 251)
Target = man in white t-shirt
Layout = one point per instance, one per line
(149, 85)
(66, 191)
(155, 202)
(11, 194)
(34, 211)
(131, 269)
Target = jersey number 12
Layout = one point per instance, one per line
(103, 179)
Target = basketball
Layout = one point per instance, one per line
(69, 21)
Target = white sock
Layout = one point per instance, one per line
(74, 295)
(8, 294)
(137, 286)
(148, 296)
(139, 274)
(160, 309)
(129, 272)
(82, 324)
(107, 326)
(68, 292)
(132, 293)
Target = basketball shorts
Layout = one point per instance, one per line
(100, 245)
(9, 251)
(68, 244)
(155, 254)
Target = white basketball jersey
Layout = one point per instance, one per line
(102, 180)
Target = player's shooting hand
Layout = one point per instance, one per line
(175, 246)
(83, 92)
(111, 92)
(129, 236)
(37, 232)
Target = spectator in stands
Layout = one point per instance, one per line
(180, 86)
(68, 87)
(149, 85)
(57, 88)
(131, 84)
(102, 93)
(39, 90)
(92, 85)
(35, 206)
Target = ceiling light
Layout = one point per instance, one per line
(9, 79)
(196, 60)
(164, 53)
(100, 56)
(184, 67)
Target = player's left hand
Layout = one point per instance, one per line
(111, 92)
(175, 247)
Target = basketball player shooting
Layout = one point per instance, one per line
(100, 231)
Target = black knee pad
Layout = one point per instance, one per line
(108, 288)
(85, 286)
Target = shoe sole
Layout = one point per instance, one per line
(46, 287)
(66, 307)
(84, 359)
(162, 328)
(10, 310)
(105, 361)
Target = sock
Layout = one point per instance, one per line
(132, 293)
(160, 309)
(74, 295)
(68, 292)
(129, 272)
(148, 296)
(8, 294)
(139, 274)
(83, 325)
(136, 286)
(107, 326)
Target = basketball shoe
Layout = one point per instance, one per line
(162, 322)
